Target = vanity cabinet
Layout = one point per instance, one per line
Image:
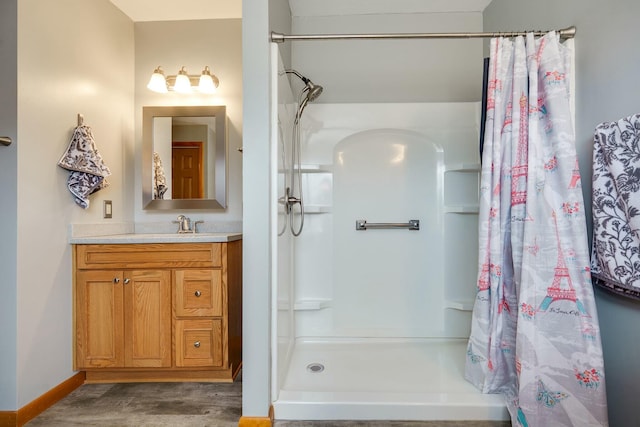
(125, 318)
(158, 311)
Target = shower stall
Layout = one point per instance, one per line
(372, 299)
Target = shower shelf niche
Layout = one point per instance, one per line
(461, 305)
(317, 169)
(317, 209)
(312, 169)
(311, 209)
(460, 175)
(461, 183)
(311, 304)
(462, 209)
(462, 167)
(305, 304)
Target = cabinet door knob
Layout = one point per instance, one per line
(196, 344)
(116, 280)
(197, 293)
(126, 281)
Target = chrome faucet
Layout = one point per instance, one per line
(184, 225)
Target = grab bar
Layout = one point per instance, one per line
(5, 140)
(361, 224)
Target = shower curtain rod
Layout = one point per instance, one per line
(565, 33)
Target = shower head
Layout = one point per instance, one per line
(313, 90)
(310, 93)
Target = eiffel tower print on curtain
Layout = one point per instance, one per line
(561, 274)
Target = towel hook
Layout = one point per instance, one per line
(80, 119)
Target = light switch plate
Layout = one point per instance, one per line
(107, 209)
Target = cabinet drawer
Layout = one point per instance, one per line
(199, 343)
(198, 293)
(149, 255)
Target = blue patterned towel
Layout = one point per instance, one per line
(615, 256)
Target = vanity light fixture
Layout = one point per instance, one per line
(183, 82)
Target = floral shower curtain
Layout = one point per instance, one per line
(535, 336)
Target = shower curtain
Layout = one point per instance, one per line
(535, 336)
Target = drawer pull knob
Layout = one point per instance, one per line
(126, 281)
(196, 344)
(116, 280)
(197, 293)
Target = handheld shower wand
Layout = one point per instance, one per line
(309, 93)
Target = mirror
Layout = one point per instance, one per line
(184, 158)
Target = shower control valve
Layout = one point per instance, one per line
(288, 200)
(293, 201)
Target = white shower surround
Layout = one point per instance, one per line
(394, 353)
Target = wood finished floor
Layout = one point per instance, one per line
(180, 404)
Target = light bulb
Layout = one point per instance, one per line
(207, 85)
(157, 82)
(182, 84)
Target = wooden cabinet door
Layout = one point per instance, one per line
(147, 308)
(99, 319)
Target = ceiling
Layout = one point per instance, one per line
(170, 10)
(371, 7)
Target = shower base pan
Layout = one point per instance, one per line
(382, 379)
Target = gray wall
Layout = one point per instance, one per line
(8, 202)
(607, 88)
(39, 39)
(256, 288)
(391, 70)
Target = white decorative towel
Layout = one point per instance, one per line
(615, 256)
(88, 171)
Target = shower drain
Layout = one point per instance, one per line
(315, 368)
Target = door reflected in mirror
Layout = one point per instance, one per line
(184, 157)
(187, 142)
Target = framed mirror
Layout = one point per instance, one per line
(184, 158)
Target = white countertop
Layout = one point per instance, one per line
(156, 238)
